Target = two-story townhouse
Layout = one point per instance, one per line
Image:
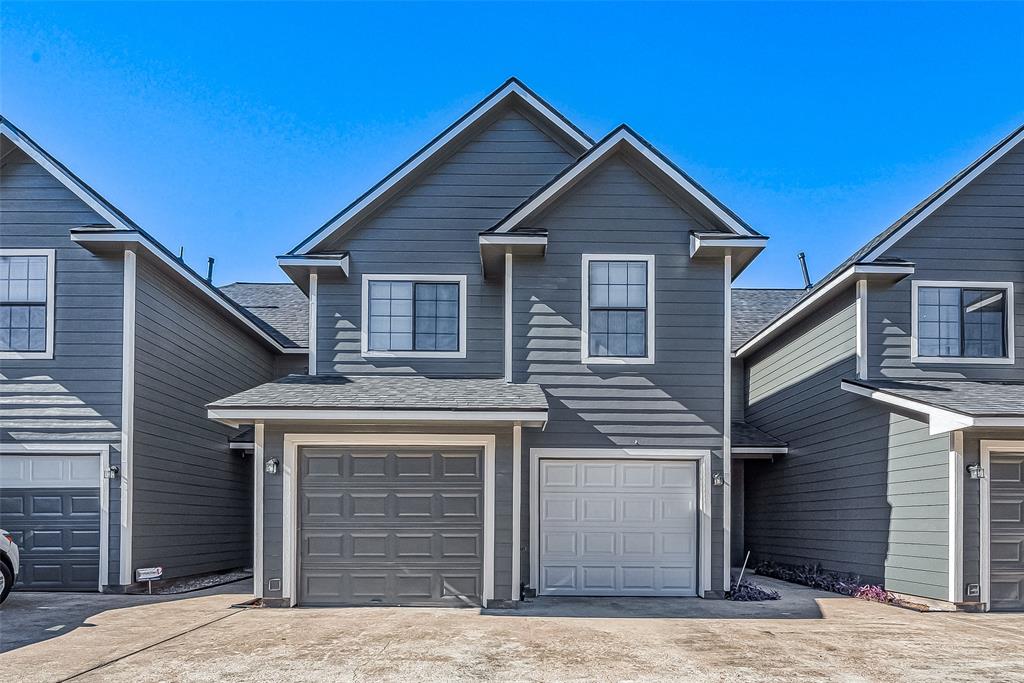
(110, 347)
(897, 383)
(519, 378)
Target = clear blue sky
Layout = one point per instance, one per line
(237, 129)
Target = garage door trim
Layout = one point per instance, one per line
(290, 497)
(988, 447)
(700, 456)
(103, 451)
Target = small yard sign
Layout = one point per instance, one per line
(148, 573)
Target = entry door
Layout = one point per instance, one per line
(1006, 471)
(51, 506)
(618, 527)
(397, 526)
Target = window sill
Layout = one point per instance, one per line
(413, 354)
(612, 360)
(26, 355)
(946, 360)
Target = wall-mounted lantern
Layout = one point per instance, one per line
(112, 472)
(976, 471)
(717, 479)
(271, 466)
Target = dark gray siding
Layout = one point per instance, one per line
(862, 490)
(676, 402)
(273, 501)
(291, 364)
(432, 228)
(192, 501)
(975, 236)
(76, 396)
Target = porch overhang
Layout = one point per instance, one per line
(949, 405)
(494, 246)
(744, 249)
(298, 268)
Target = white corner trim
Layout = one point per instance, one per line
(364, 327)
(508, 317)
(956, 516)
(257, 511)
(940, 420)
(312, 322)
(727, 428)
(1009, 359)
(702, 457)
(585, 356)
(794, 314)
(51, 268)
(517, 508)
(862, 329)
(604, 149)
(290, 485)
(994, 156)
(127, 414)
(103, 451)
(410, 166)
(988, 447)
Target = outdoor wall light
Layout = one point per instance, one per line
(976, 471)
(271, 466)
(112, 472)
(717, 479)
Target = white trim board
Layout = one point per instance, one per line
(705, 526)
(517, 509)
(364, 326)
(290, 569)
(805, 306)
(940, 420)
(989, 446)
(982, 164)
(312, 300)
(51, 269)
(258, 583)
(622, 137)
(127, 415)
(508, 317)
(956, 517)
(862, 329)
(727, 428)
(103, 451)
(1009, 359)
(585, 357)
(386, 187)
(235, 417)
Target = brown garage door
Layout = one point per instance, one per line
(1007, 542)
(399, 526)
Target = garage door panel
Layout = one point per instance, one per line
(1007, 531)
(618, 528)
(405, 527)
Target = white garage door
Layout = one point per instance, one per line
(618, 527)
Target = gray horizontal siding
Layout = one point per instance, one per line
(192, 497)
(76, 396)
(273, 501)
(432, 228)
(975, 236)
(862, 490)
(676, 402)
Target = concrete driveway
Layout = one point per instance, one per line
(807, 636)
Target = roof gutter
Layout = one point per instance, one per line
(237, 416)
(858, 271)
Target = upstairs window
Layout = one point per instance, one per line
(26, 303)
(963, 322)
(618, 315)
(416, 315)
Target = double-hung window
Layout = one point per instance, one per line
(963, 322)
(414, 315)
(26, 303)
(618, 309)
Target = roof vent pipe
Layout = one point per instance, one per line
(803, 268)
(209, 270)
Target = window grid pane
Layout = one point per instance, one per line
(413, 316)
(618, 309)
(961, 323)
(23, 293)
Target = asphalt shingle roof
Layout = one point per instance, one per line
(752, 309)
(281, 309)
(388, 393)
(749, 436)
(977, 399)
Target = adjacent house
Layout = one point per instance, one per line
(897, 384)
(110, 347)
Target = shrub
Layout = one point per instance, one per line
(814, 576)
(875, 594)
(751, 592)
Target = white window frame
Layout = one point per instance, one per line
(364, 331)
(51, 267)
(1008, 359)
(585, 356)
